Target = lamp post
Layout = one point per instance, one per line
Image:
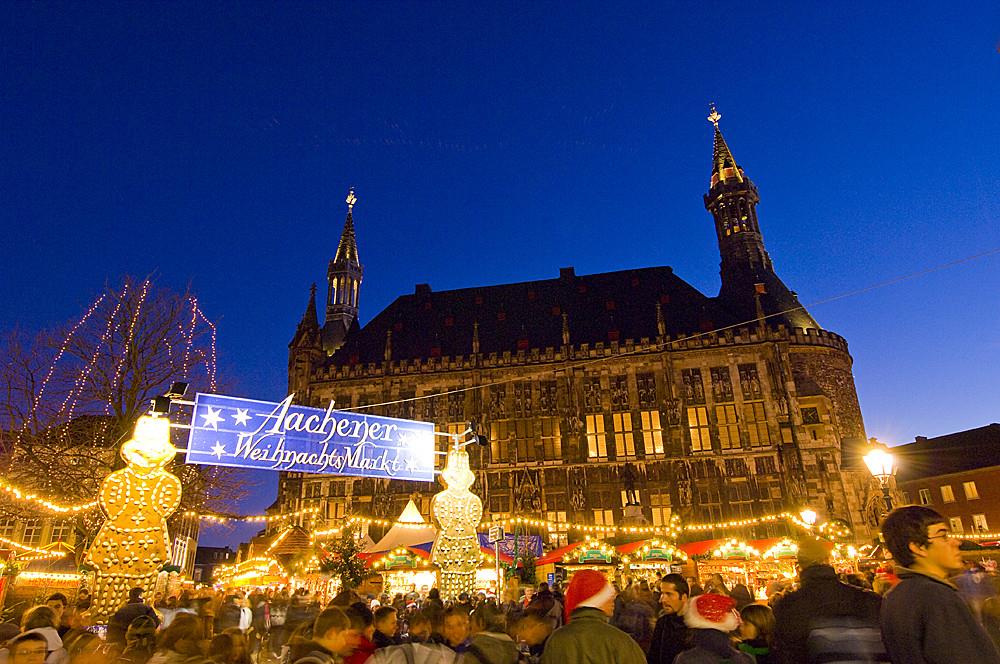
(882, 466)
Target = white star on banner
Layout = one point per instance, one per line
(212, 418)
(241, 416)
(218, 450)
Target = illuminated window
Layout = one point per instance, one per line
(979, 523)
(524, 433)
(971, 493)
(335, 509)
(652, 432)
(947, 495)
(551, 439)
(501, 435)
(698, 428)
(955, 523)
(756, 421)
(604, 517)
(597, 440)
(660, 506)
(32, 535)
(729, 432)
(60, 531)
(7, 528)
(558, 538)
(624, 439)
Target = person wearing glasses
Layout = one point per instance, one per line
(923, 618)
(28, 648)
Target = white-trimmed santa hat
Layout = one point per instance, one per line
(588, 588)
(712, 611)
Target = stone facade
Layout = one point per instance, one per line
(619, 398)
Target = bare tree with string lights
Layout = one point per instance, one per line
(73, 395)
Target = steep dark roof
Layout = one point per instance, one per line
(952, 453)
(598, 308)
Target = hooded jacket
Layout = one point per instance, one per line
(588, 638)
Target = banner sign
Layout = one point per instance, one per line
(511, 543)
(246, 433)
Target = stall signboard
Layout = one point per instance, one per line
(594, 556)
(247, 433)
(659, 554)
(404, 560)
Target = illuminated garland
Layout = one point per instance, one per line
(30, 549)
(248, 569)
(38, 501)
(672, 529)
(589, 545)
(252, 518)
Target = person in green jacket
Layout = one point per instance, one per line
(588, 637)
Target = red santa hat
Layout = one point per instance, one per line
(588, 588)
(712, 611)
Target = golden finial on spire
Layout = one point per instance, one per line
(714, 116)
(351, 199)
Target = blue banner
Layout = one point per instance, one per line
(511, 544)
(246, 433)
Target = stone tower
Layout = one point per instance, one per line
(750, 287)
(305, 351)
(343, 278)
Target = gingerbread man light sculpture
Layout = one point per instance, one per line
(132, 545)
(457, 512)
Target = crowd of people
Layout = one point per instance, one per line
(928, 611)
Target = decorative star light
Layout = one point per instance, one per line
(212, 418)
(242, 417)
(218, 450)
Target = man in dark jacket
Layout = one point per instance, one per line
(826, 620)
(119, 622)
(670, 636)
(924, 620)
(588, 638)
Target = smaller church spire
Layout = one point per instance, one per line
(310, 317)
(723, 163)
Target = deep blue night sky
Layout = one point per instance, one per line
(213, 143)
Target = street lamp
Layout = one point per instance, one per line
(882, 466)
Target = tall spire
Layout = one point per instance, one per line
(344, 276)
(310, 316)
(307, 332)
(723, 163)
(347, 249)
(749, 284)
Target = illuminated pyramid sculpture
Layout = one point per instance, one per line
(132, 545)
(457, 511)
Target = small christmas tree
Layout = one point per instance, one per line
(343, 561)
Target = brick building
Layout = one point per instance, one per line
(957, 475)
(597, 391)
